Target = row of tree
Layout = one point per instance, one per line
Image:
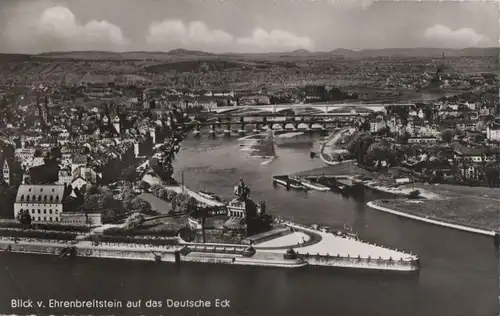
(369, 152)
(102, 200)
(180, 202)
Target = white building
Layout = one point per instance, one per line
(24, 154)
(65, 177)
(78, 183)
(493, 132)
(43, 202)
(377, 126)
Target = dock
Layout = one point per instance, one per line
(340, 183)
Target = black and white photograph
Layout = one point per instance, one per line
(249, 157)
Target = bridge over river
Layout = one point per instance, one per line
(312, 108)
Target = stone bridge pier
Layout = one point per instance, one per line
(242, 130)
(211, 130)
(227, 130)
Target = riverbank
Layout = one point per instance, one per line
(472, 209)
(389, 206)
(347, 168)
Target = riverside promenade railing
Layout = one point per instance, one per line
(403, 264)
(34, 240)
(132, 247)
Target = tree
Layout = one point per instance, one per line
(144, 185)
(415, 194)
(163, 194)
(384, 131)
(156, 190)
(188, 205)
(93, 190)
(362, 148)
(99, 201)
(141, 206)
(379, 152)
(492, 176)
(171, 195)
(447, 135)
(109, 215)
(403, 139)
(24, 217)
(127, 197)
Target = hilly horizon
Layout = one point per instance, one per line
(339, 52)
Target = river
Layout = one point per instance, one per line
(458, 276)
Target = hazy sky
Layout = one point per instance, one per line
(33, 26)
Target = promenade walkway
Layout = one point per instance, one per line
(199, 198)
(294, 238)
(331, 244)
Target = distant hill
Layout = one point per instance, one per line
(181, 51)
(184, 54)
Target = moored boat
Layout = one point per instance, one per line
(314, 185)
(289, 182)
(210, 196)
(291, 138)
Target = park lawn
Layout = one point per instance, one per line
(157, 204)
(459, 210)
(460, 190)
(348, 169)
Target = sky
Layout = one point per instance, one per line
(35, 26)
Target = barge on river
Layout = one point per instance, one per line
(314, 185)
(288, 182)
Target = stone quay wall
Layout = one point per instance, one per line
(407, 265)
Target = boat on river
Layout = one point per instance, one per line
(314, 185)
(291, 138)
(288, 182)
(210, 196)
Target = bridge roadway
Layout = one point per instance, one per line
(318, 107)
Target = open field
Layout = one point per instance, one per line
(347, 169)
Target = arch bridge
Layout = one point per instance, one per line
(293, 122)
(314, 108)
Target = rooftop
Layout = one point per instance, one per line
(52, 194)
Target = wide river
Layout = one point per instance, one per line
(458, 276)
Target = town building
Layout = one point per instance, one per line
(470, 172)
(65, 176)
(85, 175)
(493, 132)
(377, 126)
(315, 92)
(24, 154)
(44, 203)
(463, 153)
(422, 140)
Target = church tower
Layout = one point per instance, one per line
(116, 124)
(6, 172)
(105, 120)
(152, 133)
